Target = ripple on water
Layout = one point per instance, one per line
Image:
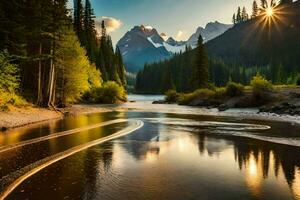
(245, 130)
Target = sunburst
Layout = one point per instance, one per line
(269, 11)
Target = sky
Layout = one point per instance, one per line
(176, 18)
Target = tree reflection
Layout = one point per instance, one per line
(258, 159)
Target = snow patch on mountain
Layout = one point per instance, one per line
(143, 44)
(157, 45)
(174, 48)
(211, 31)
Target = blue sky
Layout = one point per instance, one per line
(168, 16)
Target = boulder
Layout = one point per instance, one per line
(159, 102)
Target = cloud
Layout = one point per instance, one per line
(181, 35)
(112, 24)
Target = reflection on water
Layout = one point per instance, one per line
(180, 158)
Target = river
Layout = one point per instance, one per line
(151, 151)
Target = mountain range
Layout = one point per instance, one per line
(144, 44)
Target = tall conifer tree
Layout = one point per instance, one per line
(254, 9)
(200, 77)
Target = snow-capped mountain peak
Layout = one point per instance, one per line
(211, 31)
(143, 44)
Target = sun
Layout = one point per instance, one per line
(269, 12)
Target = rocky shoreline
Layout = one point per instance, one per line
(281, 102)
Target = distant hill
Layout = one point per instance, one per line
(262, 40)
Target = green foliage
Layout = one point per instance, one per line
(204, 94)
(110, 92)
(57, 62)
(220, 92)
(234, 89)
(9, 74)
(9, 83)
(77, 75)
(94, 77)
(259, 83)
(200, 77)
(172, 96)
(262, 89)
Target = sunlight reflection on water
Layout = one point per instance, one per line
(175, 157)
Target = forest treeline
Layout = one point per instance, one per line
(237, 55)
(52, 56)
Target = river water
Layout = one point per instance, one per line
(169, 154)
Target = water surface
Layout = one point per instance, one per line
(173, 156)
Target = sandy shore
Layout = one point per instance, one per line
(20, 117)
(30, 115)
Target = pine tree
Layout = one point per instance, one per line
(101, 61)
(234, 19)
(103, 28)
(78, 19)
(120, 67)
(200, 77)
(245, 15)
(239, 15)
(12, 29)
(167, 80)
(90, 32)
(254, 9)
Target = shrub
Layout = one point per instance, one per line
(220, 92)
(204, 94)
(260, 84)
(262, 89)
(171, 96)
(234, 89)
(10, 99)
(9, 83)
(185, 99)
(110, 92)
(9, 74)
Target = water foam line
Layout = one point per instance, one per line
(42, 164)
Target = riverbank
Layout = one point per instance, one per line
(24, 116)
(27, 115)
(281, 100)
(18, 117)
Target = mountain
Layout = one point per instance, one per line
(211, 31)
(142, 45)
(263, 40)
(266, 45)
